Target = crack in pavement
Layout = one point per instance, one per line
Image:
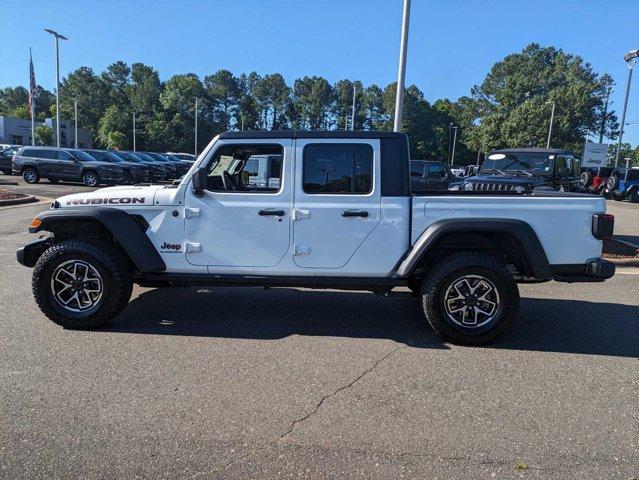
(344, 387)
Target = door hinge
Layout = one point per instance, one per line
(191, 212)
(192, 247)
(302, 249)
(299, 214)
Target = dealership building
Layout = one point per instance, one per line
(17, 131)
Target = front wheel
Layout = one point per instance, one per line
(470, 298)
(90, 178)
(30, 175)
(634, 196)
(82, 283)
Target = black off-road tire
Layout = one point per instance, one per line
(111, 264)
(634, 196)
(586, 178)
(447, 272)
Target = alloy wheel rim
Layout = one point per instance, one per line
(471, 301)
(89, 179)
(30, 176)
(77, 286)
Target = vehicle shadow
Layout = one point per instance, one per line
(547, 325)
(629, 238)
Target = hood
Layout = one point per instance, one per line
(112, 196)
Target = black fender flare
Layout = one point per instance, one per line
(119, 223)
(523, 234)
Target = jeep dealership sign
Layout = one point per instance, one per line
(594, 155)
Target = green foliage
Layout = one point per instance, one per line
(44, 135)
(117, 141)
(510, 108)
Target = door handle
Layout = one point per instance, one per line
(275, 213)
(354, 213)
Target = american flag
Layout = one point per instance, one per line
(32, 86)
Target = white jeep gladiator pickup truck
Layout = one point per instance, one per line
(314, 209)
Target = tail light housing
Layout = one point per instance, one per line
(603, 225)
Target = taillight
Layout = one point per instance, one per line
(603, 225)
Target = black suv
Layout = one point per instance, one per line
(429, 176)
(527, 169)
(133, 172)
(6, 157)
(69, 164)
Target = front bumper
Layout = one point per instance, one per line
(29, 254)
(111, 176)
(596, 270)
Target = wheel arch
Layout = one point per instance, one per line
(514, 238)
(128, 231)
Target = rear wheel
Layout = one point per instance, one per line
(634, 196)
(30, 175)
(470, 298)
(82, 283)
(90, 178)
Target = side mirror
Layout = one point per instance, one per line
(199, 182)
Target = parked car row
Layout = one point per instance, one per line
(618, 183)
(91, 167)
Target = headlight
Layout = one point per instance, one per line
(469, 186)
(519, 189)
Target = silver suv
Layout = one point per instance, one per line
(68, 164)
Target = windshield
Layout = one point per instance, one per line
(512, 162)
(104, 156)
(82, 156)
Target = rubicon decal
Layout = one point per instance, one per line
(170, 247)
(106, 201)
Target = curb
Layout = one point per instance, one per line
(624, 262)
(18, 201)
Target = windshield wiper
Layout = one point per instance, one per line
(522, 171)
(489, 170)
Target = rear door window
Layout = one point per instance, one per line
(338, 169)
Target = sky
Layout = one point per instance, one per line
(452, 44)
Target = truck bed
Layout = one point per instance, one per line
(571, 218)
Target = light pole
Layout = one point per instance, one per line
(134, 131)
(552, 118)
(631, 59)
(353, 112)
(399, 96)
(452, 157)
(196, 127)
(58, 37)
(75, 111)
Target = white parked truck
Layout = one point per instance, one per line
(332, 210)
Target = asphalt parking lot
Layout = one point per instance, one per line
(291, 382)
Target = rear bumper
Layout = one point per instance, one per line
(592, 271)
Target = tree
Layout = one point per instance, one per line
(43, 135)
(312, 103)
(514, 100)
(271, 96)
(114, 120)
(91, 93)
(117, 141)
(12, 98)
(223, 94)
